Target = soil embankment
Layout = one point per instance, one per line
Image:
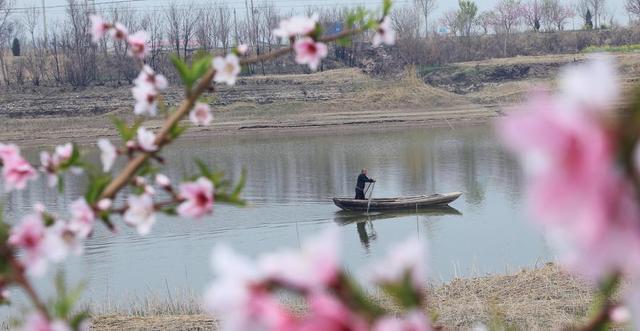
(463, 93)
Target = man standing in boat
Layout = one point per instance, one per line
(362, 179)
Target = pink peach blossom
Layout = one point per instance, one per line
(49, 165)
(147, 140)
(297, 25)
(108, 154)
(119, 32)
(316, 266)
(17, 172)
(138, 45)
(242, 49)
(407, 258)
(198, 197)
(326, 312)
(576, 191)
(64, 152)
(98, 27)
(146, 97)
(201, 114)
(8, 152)
(60, 240)
(384, 34)
(310, 52)
(148, 77)
(82, 218)
(140, 213)
(413, 321)
(38, 322)
(163, 181)
(227, 69)
(105, 204)
(29, 235)
(238, 297)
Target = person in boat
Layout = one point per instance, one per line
(362, 180)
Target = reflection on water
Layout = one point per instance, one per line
(290, 182)
(364, 221)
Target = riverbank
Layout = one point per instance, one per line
(539, 299)
(342, 100)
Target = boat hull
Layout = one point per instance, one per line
(401, 203)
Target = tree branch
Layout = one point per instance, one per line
(162, 137)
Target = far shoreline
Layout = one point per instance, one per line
(52, 131)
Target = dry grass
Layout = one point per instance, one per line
(539, 299)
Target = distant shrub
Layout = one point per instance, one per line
(612, 49)
(15, 47)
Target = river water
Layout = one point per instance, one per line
(290, 182)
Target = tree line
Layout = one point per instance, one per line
(65, 55)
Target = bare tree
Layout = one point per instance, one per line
(174, 26)
(190, 18)
(153, 24)
(598, 8)
(5, 34)
(79, 54)
(450, 21)
(633, 7)
(427, 7)
(556, 14)
(532, 14)
(507, 15)
(224, 26)
(406, 22)
(485, 21)
(30, 20)
(206, 29)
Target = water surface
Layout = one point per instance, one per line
(290, 182)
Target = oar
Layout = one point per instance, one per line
(372, 186)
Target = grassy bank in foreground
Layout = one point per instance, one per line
(538, 299)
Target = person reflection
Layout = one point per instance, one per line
(366, 236)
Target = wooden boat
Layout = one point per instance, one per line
(406, 203)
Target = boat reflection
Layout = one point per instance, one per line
(364, 221)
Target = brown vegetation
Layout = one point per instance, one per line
(65, 56)
(538, 299)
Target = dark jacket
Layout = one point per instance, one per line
(362, 179)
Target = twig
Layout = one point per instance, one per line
(162, 137)
(22, 281)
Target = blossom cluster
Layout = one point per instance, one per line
(581, 191)
(41, 237)
(245, 294)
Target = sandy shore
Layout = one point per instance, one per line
(539, 299)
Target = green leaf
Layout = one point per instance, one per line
(169, 211)
(183, 70)
(78, 319)
(344, 41)
(97, 184)
(386, 7)
(126, 133)
(372, 24)
(318, 31)
(177, 130)
(65, 300)
(403, 292)
(240, 186)
(200, 67)
(204, 169)
(60, 183)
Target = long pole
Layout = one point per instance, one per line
(370, 196)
